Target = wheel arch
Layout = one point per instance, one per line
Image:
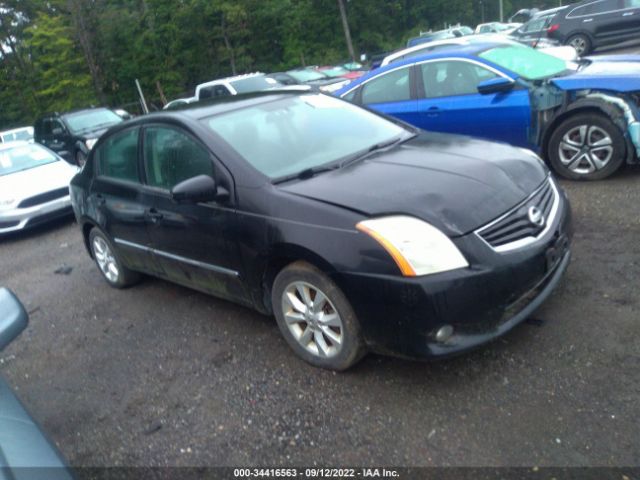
(594, 106)
(281, 256)
(87, 226)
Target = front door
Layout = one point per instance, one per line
(449, 102)
(195, 243)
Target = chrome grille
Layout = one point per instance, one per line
(516, 228)
(44, 197)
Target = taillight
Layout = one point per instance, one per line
(553, 28)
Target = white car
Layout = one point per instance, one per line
(222, 87)
(497, 27)
(34, 186)
(22, 133)
(565, 53)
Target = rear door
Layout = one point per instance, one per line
(393, 93)
(449, 102)
(119, 201)
(195, 243)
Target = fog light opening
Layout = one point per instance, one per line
(444, 333)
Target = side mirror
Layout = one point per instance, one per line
(13, 317)
(57, 131)
(202, 188)
(495, 85)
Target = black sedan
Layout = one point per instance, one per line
(357, 232)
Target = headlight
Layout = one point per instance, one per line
(90, 143)
(417, 247)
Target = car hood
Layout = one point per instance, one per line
(455, 183)
(619, 73)
(34, 181)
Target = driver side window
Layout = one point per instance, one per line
(171, 156)
(452, 78)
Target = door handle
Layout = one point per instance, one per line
(154, 215)
(628, 14)
(100, 200)
(433, 111)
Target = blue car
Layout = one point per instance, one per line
(583, 117)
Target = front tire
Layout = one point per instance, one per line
(110, 266)
(315, 318)
(586, 146)
(581, 43)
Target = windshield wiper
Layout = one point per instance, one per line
(373, 148)
(306, 173)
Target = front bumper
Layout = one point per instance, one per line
(22, 218)
(401, 316)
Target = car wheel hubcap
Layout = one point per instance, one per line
(312, 319)
(105, 259)
(579, 44)
(585, 149)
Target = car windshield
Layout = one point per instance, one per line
(24, 157)
(13, 135)
(254, 84)
(335, 71)
(91, 120)
(306, 75)
(289, 135)
(525, 61)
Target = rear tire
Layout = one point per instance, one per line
(581, 42)
(110, 266)
(586, 146)
(315, 318)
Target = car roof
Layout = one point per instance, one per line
(459, 50)
(456, 42)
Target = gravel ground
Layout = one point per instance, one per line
(162, 375)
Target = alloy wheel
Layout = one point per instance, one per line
(312, 319)
(585, 149)
(579, 44)
(105, 259)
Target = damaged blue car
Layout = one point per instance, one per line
(582, 116)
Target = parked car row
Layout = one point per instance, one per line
(325, 78)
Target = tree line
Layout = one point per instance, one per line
(57, 55)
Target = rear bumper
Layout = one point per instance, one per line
(22, 218)
(401, 316)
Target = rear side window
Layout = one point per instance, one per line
(172, 156)
(390, 87)
(599, 6)
(118, 156)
